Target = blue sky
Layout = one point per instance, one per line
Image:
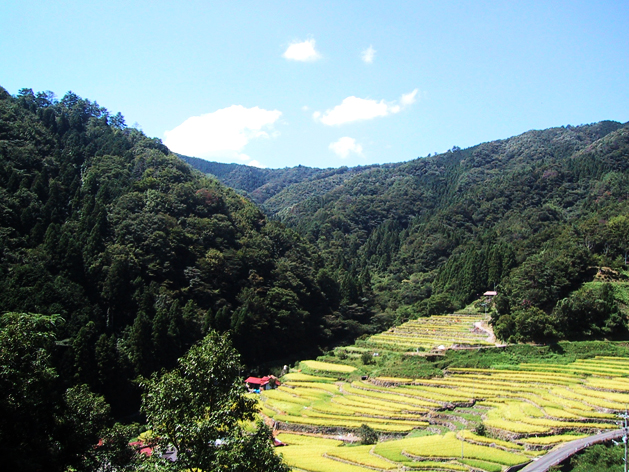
(326, 84)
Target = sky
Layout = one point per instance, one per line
(321, 83)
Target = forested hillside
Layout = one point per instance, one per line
(535, 216)
(276, 190)
(141, 255)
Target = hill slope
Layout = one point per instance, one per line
(140, 254)
(529, 215)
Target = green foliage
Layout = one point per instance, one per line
(598, 458)
(367, 434)
(198, 408)
(43, 424)
(528, 216)
(366, 358)
(140, 254)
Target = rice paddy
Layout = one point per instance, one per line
(462, 329)
(469, 419)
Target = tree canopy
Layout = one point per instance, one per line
(200, 408)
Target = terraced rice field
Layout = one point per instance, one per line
(428, 333)
(523, 409)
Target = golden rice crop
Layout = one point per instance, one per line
(328, 367)
(361, 455)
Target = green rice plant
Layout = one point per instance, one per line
(314, 387)
(624, 360)
(563, 401)
(561, 424)
(285, 407)
(577, 369)
(470, 436)
(307, 440)
(328, 367)
(484, 465)
(437, 466)
(571, 395)
(308, 392)
(516, 427)
(346, 422)
(311, 413)
(561, 413)
(591, 414)
(378, 405)
(312, 459)
(361, 455)
(617, 384)
(549, 440)
(268, 412)
(299, 377)
(387, 396)
(448, 446)
(285, 395)
(402, 393)
(394, 380)
(435, 394)
(614, 397)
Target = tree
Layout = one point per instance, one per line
(199, 408)
(619, 229)
(42, 425)
(367, 434)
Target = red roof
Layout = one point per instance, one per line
(142, 448)
(261, 381)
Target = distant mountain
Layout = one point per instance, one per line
(276, 190)
(530, 215)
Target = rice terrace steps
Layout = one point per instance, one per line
(466, 419)
(458, 330)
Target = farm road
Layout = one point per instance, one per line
(559, 455)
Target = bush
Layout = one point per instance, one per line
(367, 434)
(366, 358)
(480, 430)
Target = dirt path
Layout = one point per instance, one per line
(483, 326)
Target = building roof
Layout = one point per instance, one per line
(261, 380)
(490, 293)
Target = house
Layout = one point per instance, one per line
(262, 383)
(490, 294)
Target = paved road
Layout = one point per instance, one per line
(559, 455)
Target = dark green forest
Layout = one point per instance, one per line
(140, 255)
(537, 217)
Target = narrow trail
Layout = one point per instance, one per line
(483, 326)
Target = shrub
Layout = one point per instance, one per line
(366, 358)
(367, 435)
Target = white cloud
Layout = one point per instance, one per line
(302, 51)
(368, 54)
(346, 145)
(255, 163)
(358, 109)
(409, 98)
(222, 134)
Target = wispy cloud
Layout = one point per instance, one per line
(368, 55)
(255, 163)
(409, 98)
(345, 146)
(354, 109)
(304, 51)
(223, 134)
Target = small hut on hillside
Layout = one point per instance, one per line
(267, 382)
